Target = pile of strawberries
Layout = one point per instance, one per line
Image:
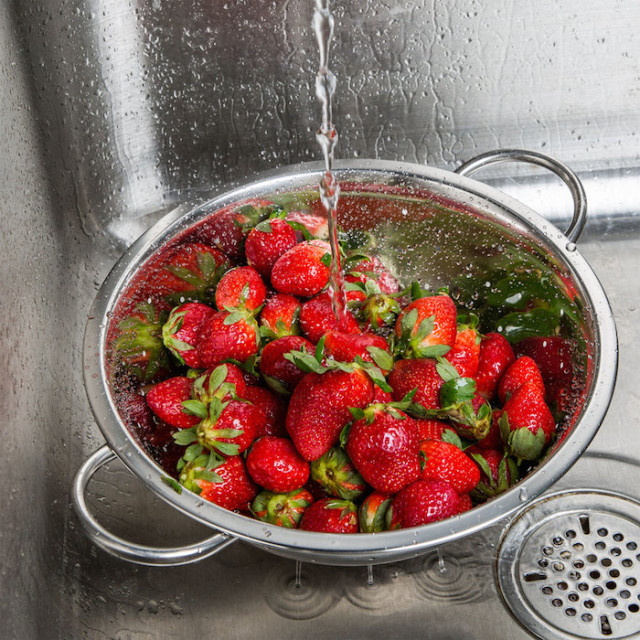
(399, 414)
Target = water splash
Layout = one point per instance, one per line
(327, 137)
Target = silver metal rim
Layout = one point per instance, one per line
(124, 549)
(354, 549)
(555, 166)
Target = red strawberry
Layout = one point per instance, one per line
(432, 429)
(266, 243)
(228, 228)
(138, 347)
(281, 509)
(272, 407)
(373, 269)
(227, 336)
(498, 472)
(319, 408)
(335, 473)
(279, 373)
(444, 461)
(165, 400)
(330, 515)
(372, 512)
(383, 446)
(465, 503)
(317, 226)
(280, 316)
(317, 318)
(230, 427)
(527, 425)
(420, 374)
(224, 382)
(241, 287)
(554, 357)
(224, 482)
(496, 356)
(302, 270)
(465, 353)
(181, 332)
(523, 371)
(422, 502)
(346, 347)
(427, 326)
(191, 273)
(274, 464)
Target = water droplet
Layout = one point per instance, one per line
(571, 246)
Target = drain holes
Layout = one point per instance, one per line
(606, 562)
(600, 546)
(634, 608)
(586, 617)
(579, 564)
(547, 590)
(602, 532)
(548, 551)
(571, 612)
(625, 594)
(558, 566)
(627, 563)
(592, 558)
(618, 537)
(557, 541)
(605, 627)
(578, 546)
(534, 576)
(615, 552)
(556, 602)
(563, 586)
(573, 597)
(583, 586)
(620, 615)
(594, 575)
(543, 562)
(611, 602)
(632, 546)
(614, 573)
(570, 534)
(598, 590)
(584, 523)
(610, 584)
(632, 582)
(589, 604)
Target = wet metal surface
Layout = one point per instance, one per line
(114, 111)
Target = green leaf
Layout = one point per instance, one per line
(409, 321)
(173, 483)
(450, 436)
(217, 377)
(424, 329)
(446, 370)
(381, 357)
(432, 351)
(319, 352)
(326, 260)
(527, 445)
(233, 317)
(417, 291)
(227, 448)
(378, 378)
(264, 226)
(305, 362)
(207, 475)
(185, 436)
(357, 413)
(483, 464)
(277, 385)
(195, 408)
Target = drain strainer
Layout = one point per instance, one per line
(569, 566)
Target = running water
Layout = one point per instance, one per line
(327, 138)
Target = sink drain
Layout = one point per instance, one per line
(569, 566)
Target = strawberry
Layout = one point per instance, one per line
(335, 473)
(420, 374)
(280, 317)
(498, 472)
(228, 228)
(191, 273)
(427, 327)
(465, 503)
(372, 512)
(226, 381)
(373, 269)
(165, 400)
(523, 371)
(554, 357)
(465, 353)
(319, 408)
(444, 461)
(281, 509)
(266, 243)
(222, 481)
(227, 336)
(331, 515)
(383, 445)
(274, 464)
(495, 357)
(181, 332)
(316, 226)
(302, 270)
(369, 347)
(229, 427)
(240, 288)
(431, 429)
(526, 425)
(273, 408)
(279, 373)
(138, 347)
(422, 502)
(317, 318)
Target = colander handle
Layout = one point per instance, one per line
(124, 549)
(533, 157)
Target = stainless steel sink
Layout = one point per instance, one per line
(115, 112)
